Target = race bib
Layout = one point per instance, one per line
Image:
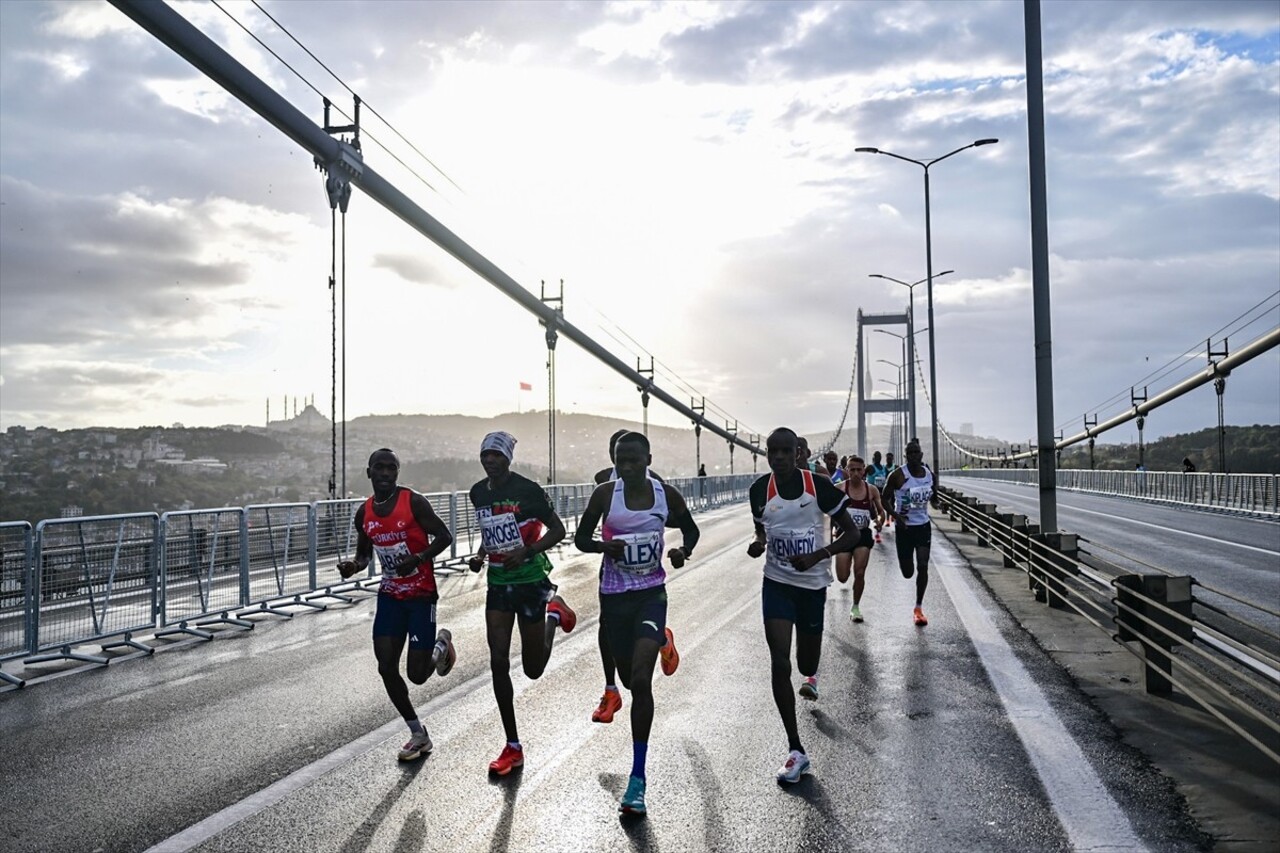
(790, 543)
(499, 533)
(643, 554)
(391, 555)
(917, 497)
(861, 517)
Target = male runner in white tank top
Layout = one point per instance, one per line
(791, 508)
(633, 512)
(909, 491)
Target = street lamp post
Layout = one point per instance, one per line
(909, 340)
(928, 257)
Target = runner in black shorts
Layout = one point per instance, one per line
(634, 512)
(611, 699)
(517, 528)
(910, 490)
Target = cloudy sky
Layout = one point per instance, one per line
(688, 170)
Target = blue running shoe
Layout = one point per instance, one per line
(633, 799)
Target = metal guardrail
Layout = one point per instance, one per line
(78, 581)
(1226, 660)
(1252, 493)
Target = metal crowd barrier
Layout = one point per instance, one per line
(77, 581)
(96, 578)
(16, 585)
(1251, 493)
(1227, 648)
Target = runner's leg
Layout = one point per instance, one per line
(777, 633)
(498, 625)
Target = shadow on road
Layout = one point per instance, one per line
(510, 785)
(412, 834)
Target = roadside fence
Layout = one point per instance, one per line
(1258, 494)
(1218, 649)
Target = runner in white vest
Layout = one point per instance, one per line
(792, 508)
(910, 490)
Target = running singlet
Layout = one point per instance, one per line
(912, 497)
(395, 536)
(861, 509)
(642, 530)
(876, 475)
(795, 526)
(509, 516)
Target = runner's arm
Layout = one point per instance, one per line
(551, 536)
(584, 537)
(877, 505)
(436, 530)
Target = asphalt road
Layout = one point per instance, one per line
(959, 736)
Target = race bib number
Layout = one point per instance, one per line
(499, 533)
(391, 555)
(917, 498)
(791, 543)
(861, 517)
(643, 554)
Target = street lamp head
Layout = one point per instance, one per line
(985, 142)
(870, 150)
(941, 274)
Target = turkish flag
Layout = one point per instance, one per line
(525, 386)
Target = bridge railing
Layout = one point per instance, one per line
(73, 582)
(1253, 493)
(1218, 649)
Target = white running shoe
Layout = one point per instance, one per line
(797, 763)
(419, 745)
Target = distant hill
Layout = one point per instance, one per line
(1250, 449)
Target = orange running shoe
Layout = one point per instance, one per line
(610, 704)
(668, 654)
(564, 612)
(510, 759)
(919, 617)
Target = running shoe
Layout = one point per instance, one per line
(809, 689)
(509, 759)
(669, 656)
(444, 653)
(879, 541)
(790, 772)
(918, 616)
(855, 613)
(610, 704)
(633, 799)
(564, 613)
(419, 745)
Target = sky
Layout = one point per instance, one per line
(687, 169)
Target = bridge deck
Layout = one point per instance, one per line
(282, 737)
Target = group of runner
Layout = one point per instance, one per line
(806, 515)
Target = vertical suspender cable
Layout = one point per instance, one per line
(333, 335)
(344, 353)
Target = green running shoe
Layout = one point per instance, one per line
(855, 613)
(633, 799)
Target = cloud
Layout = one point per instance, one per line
(412, 268)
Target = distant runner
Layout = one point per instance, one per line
(791, 508)
(634, 512)
(517, 528)
(910, 491)
(399, 526)
(834, 468)
(865, 508)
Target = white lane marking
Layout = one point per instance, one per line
(1127, 520)
(1088, 814)
(198, 833)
